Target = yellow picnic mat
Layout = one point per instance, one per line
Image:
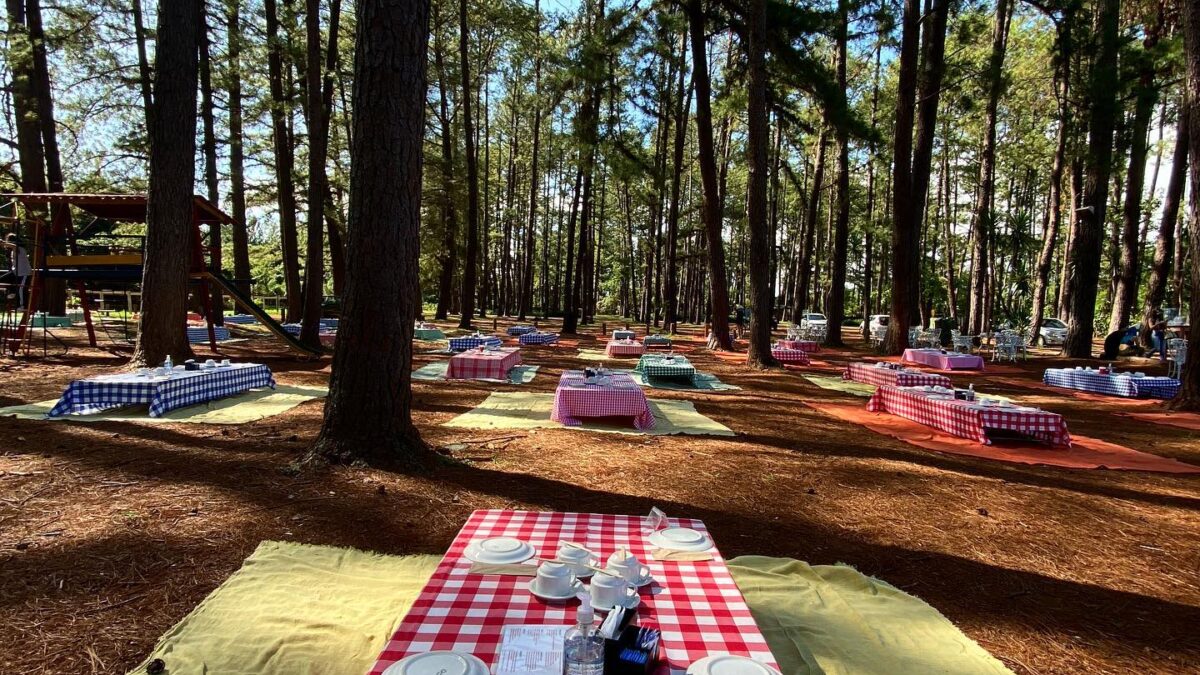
(513, 410)
(595, 355)
(832, 620)
(294, 609)
(250, 406)
(838, 384)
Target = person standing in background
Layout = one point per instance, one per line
(18, 264)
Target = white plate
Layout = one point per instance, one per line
(649, 578)
(499, 550)
(725, 664)
(681, 539)
(535, 588)
(438, 663)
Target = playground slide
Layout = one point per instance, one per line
(265, 319)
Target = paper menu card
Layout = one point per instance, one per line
(531, 650)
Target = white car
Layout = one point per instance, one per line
(813, 320)
(1052, 333)
(878, 322)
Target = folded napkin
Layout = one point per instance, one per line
(516, 570)
(671, 555)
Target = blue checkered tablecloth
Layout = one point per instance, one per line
(538, 338)
(520, 330)
(199, 334)
(622, 334)
(241, 319)
(161, 394)
(1121, 384)
(462, 344)
(293, 328)
(656, 341)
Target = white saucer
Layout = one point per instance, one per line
(726, 664)
(576, 588)
(681, 539)
(499, 550)
(438, 663)
(631, 603)
(649, 578)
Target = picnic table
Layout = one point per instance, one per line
(427, 331)
(943, 360)
(696, 605)
(623, 334)
(873, 373)
(628, 347)
(161, 393)
(611, 395)
(538, 338)
(517, 331)
(483, 363)
(665, 366)
(241, 319)
(656, 341)
(786, 355)
(969, 419)
(199, 334)
(802, 345)
(1121, 384)
(461, 344)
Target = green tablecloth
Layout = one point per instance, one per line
(428, 334)
(38, 320)
(659, 365)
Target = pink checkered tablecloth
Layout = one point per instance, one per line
(873, 374)
(481, 364)
(967, 419)
(942, 360)
(619, 397)
(696, 605)
(802, 345)
(625, 348)
(784, 355)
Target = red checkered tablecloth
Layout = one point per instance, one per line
(968, 419)
(873, 374)
(625, 348)
(784, 355)
(619, 397)
(478, 363)
(802, 345)
(697, 605)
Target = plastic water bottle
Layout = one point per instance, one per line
(583, 646)
(971, 391)
(168, 364)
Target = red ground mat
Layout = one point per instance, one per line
(1075, 393)
(1183, 420)
(1084, 453)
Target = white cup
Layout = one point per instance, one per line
(628, 566)
(210, 363)
(555, 578)
(225, 362)
(610, 591)
(578, 558)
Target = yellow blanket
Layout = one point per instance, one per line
(512, 410)
(832, 620)
(296, 609)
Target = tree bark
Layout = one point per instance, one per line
(758, 137)
(448, 256)
(836, 313)
(472, 261)
(209, 135)
(1189, 393)
(810, 229)
(711, 207)
(284, 163)
(683, 103)
(144, 74)
(1085, 253)
(525, 305)
(237, 171)
(1164, 245)
(169, 210)
(368, 411)
(30, 153)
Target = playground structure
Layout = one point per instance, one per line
(93, 253)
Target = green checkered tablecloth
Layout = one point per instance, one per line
(659, 365)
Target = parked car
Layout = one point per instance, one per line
(1052, 333)
(878, 321)
(813, 320)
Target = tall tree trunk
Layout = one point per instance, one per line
(449, 254)
(983, 218)
(905, 231)
(1085, 253)
(284, 162)
(368, 411)
(836, 314)
(868, 243)
(1135, 179)
(237, 171)
(810, 229)
(683, 105)
(169, 210)
(209, 135)
(1164, 245)
(711, 207)
(1054, 206)
(1189, 393)
(526, 302)
(144, 75)
(30, 154)
(472, 261)
(758, 137)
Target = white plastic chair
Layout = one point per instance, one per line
(1176, 356)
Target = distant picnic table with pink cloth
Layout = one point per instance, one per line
(936, 358)
(802, 345)
(613, 395)
(870, 373)
(625, 348)
(792, 356)
(969, 419)
(483, 364)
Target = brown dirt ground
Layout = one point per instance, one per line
(110, 533)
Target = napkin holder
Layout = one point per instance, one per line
(627, 640)
(191, 365)
(589, 373)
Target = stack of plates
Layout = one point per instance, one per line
(439, 663)
(725, 664)
(499, 550)
(681, 539)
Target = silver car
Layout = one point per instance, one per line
(1052, 333)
